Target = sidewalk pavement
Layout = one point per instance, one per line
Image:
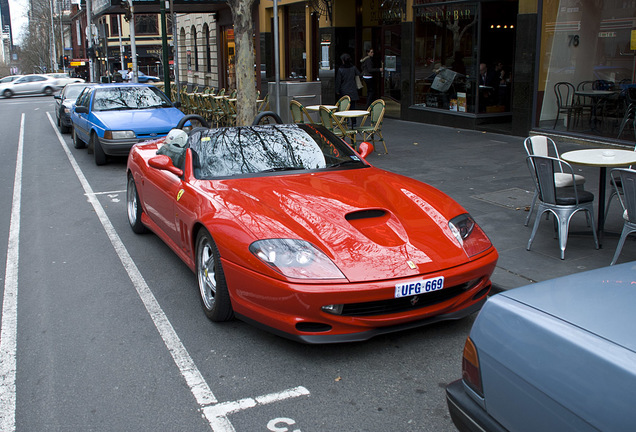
(487, 174)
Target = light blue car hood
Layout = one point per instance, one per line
(142, 121)
(599, 301)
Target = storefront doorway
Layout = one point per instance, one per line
(391, 55)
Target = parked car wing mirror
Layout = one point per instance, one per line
(81, 110)
(163, 162)
(365, 149)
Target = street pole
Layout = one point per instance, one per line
(164, 49)
(276, 59)
(121, 46)
(62, 39)
(133, 45)
(175, 50)
(52, 44)
(89, 27)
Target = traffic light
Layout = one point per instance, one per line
(126, 8)
(67, 61)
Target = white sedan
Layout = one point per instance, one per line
(29, 84)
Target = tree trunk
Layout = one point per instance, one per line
(244, 60)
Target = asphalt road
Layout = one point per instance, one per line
(110, 336)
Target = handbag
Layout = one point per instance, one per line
(359, 83)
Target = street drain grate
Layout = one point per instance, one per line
(513, 198)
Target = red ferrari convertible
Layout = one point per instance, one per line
(288, 228)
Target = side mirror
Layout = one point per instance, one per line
(163, 162)
(365, 149)
(57, 96)
(81, 109)
(177, 104)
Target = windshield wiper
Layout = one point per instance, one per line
(120, 108)
(282, 169)
(163, 105)
(346, 162)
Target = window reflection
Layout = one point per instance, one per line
(233, 151)
(119, 98)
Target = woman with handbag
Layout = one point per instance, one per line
(346, 81)
(369, 73)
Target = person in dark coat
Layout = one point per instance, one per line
(346, 81)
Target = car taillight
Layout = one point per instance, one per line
(470, 368)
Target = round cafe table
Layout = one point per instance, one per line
(603, 158)
(351, 113)
(317, 107)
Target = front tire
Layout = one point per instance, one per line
(214, 294)
(133, 207)
(48, 91)
(63, 129)
(77, 143)
(100, 156)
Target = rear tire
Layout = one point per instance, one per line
(7, 93)
(100, 156)
(77, 143)
(214, 294)
(133, 207)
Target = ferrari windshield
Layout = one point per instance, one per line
(234, 151)
(129, 97)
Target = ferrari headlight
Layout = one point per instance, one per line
(469, 235)
(118, 135)
(295, 259)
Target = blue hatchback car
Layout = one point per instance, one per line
(111, 118)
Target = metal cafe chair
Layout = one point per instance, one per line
(564, 92)
(563, 203)
(539, 145)
(627, 198)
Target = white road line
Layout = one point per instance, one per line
(8, 332)
(215, 414)
(109, 192)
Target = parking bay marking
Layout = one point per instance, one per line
(215, 413)
(9, 319)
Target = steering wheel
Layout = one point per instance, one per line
(196, 117)
(264, 114)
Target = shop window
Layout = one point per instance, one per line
(114, 25)
(195, 59)
(445, 64)
(592, 46)
(146, 24)
(297, 41)
(464, 54)
(208, 59)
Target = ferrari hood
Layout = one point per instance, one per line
(371, 223)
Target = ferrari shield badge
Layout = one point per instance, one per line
(411, 264)
(180, 194)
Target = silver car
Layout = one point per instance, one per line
(9, 78)
(64, 78)
(558, 355)
(29, 84)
